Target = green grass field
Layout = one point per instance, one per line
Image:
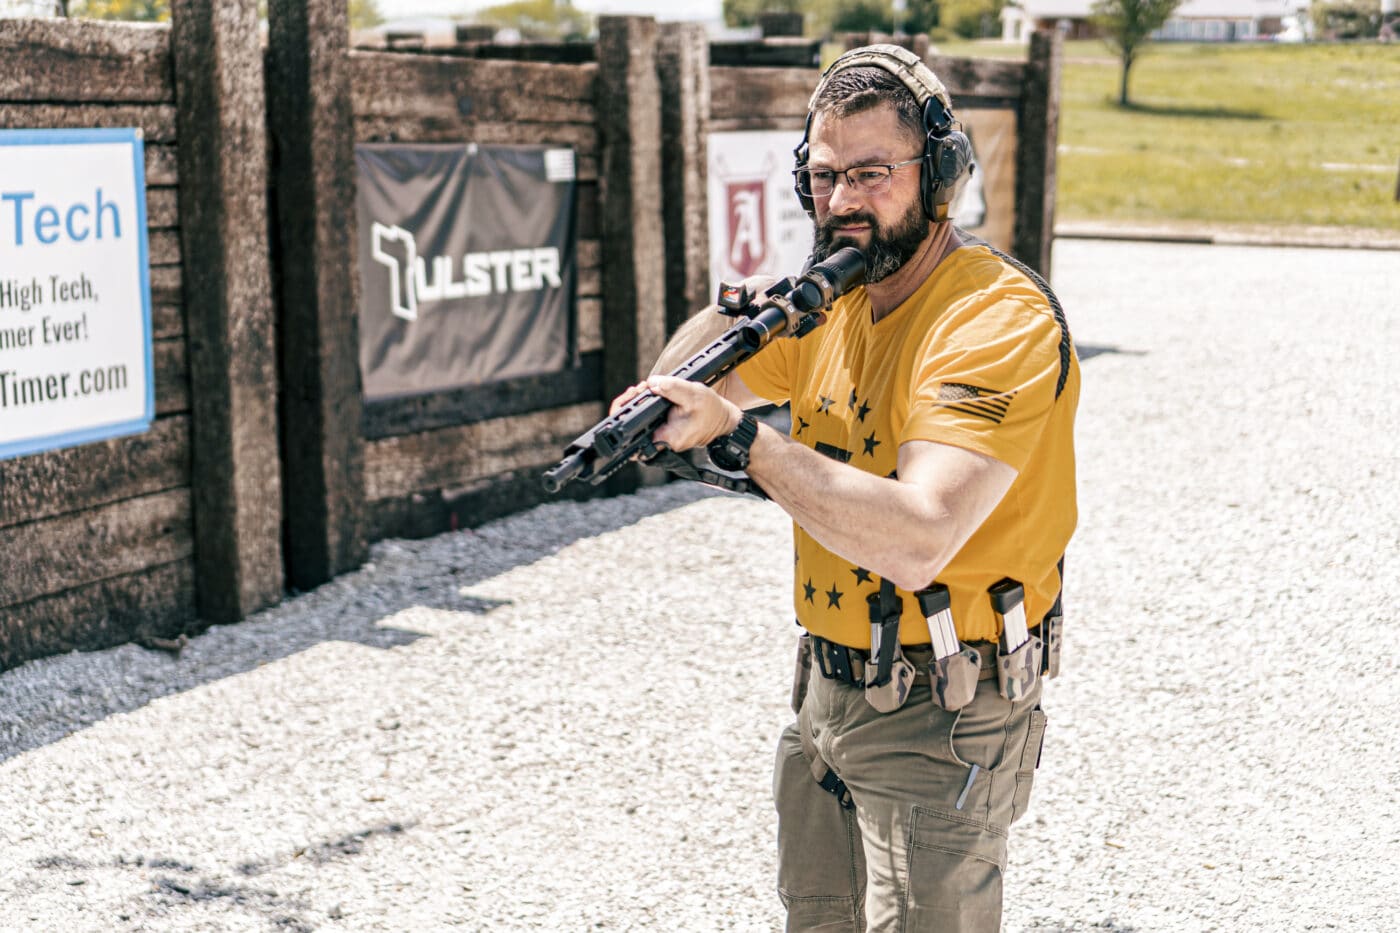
(1252, 133)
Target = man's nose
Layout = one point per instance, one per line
(844, 197)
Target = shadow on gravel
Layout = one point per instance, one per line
(45, 700)
(1087, 351)
(1207, 113)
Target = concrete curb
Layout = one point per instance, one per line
(1243, 235)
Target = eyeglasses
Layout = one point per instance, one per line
(867, 179)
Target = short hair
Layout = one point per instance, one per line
(855, 90)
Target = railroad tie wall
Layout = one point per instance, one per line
(97, 542)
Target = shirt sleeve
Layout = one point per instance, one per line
(769, 372)
(986, 380)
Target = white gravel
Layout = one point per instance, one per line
(565, 720)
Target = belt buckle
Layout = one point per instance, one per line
(834, 661)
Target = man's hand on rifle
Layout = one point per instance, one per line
(698, 414)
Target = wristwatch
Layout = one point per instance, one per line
(731, 451)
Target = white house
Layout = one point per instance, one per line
(1194, 20)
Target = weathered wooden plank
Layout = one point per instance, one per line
(83, 60)
(401, 466)
(519, 396)
(792, 124)
(172, 371)
(161, 168)
(121, 538)
(163, 247)
(59, 482)
(155, 601)
(590, 324)
(981, 77)
(589, 256)
(156, 121)
(167, 285)
(1037, 134)
(424, 514)
(162, 209)
(768, 52)
(237, 482)
(582, 138)
(772, 92)
(167, 320)
(586, 220)
(445, 88)
(309, 114)
(561, 53)
(685, 130)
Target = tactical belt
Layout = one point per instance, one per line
(847, 665)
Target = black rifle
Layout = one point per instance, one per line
(795, 306)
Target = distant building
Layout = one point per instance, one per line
(1193, 21)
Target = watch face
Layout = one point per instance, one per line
(731, 452)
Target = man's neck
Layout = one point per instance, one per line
(891, 292)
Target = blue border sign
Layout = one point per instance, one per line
(75, 290)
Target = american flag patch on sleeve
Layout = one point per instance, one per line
(970, 400)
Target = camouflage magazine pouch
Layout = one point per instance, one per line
(954, 678)
(1017, 671)
(891, 695)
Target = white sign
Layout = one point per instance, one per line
(75, 297)
(757, 225)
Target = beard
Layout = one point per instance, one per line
(889, 249)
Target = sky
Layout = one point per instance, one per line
(661, 9)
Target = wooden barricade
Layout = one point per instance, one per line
(139, 536)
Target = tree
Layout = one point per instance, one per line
(1126, 25)
(863, 16)
(1347, 19)
(140, 11)
(740, 13)
(539, 19)
(364, 14)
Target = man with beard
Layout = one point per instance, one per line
(930, 478)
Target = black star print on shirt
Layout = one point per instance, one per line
(852, 403)
(864, 410)
(825, 406)
(802, 425)
(862, 575)
(833, 597)
(809, 590)
(871, 444)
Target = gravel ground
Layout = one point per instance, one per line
(565, 720)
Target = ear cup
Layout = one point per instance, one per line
(800, 155)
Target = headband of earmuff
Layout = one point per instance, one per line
(947, 150)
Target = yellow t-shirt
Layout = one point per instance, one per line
(971, 359)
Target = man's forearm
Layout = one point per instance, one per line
(887, 527)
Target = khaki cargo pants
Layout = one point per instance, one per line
(907, 858)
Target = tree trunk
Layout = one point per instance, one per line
(1123, 85)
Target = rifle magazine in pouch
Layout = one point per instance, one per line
(954, 678)
(1017, 671)
(890, 696)
(801, 672)
(1052, 630)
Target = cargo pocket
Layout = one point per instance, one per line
(955, 867)
(1030, 761)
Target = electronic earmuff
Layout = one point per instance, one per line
(947, 150)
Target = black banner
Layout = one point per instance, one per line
(467, 264)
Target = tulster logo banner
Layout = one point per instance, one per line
(467, 264)
(757, 225)
(75, 298)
